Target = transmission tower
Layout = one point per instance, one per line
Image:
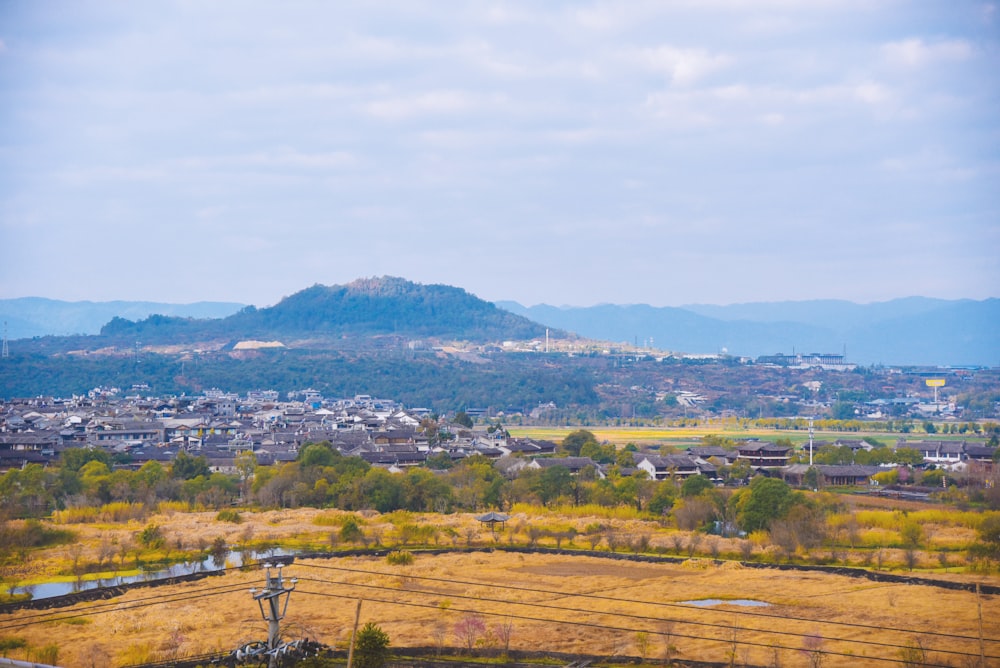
(5, 353)
(272, 608)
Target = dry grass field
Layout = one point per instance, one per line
(559, 603)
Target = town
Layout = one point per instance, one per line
(218, 427)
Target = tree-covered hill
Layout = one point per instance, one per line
(430, 380)
(365, 307)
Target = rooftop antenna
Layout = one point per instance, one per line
(5, 353)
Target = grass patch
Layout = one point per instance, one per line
(229, 515)
(399, 558)
(119, 511)
(74, 621)
(34, 534)
(586, 510)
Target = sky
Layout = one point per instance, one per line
(568, 153)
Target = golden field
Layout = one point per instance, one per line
(559, 603)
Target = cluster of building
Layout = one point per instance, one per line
(219, 426)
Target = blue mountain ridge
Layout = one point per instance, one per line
(908, 331)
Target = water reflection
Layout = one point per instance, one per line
(710, 602)
(234, 558)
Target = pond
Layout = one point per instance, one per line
(153, 573)
(712, 602)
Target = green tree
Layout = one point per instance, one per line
(842, 410)
(765, 500)
(811, 478)
(317, 454)
(350, 530)
(371, 647)
(74, 458)
(910, 456)
(575, 441)
(462, 418)
(553, 482)
(695, 485)
(441, 461)
(186, 467)
(662, 500)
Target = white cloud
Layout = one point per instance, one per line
(684, 67)
(432, 103)
(917, 52)
(518, 120)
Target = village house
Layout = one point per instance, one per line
(763, 454)
(574, 464)
(663, 467)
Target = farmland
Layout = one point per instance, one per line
(582, 599)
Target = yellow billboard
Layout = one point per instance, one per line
(935, 382)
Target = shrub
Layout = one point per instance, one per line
(399, 558)
(33, 534)
(151, 537)
(371, 647)
(229, 515)
(350, 530)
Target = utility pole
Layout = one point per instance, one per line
(810, 442)
(272, 609)
(354, 634)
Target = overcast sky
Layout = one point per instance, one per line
(672, 152)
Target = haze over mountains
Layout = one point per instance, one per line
(37, 316)
(914, 330)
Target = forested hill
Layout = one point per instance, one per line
(365, 307)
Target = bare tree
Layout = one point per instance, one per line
(670, 650)
(734, 643)
(503, 632)
(440, 633)
(694, 540)
(105, 551)
(812, 647)
(469, 629)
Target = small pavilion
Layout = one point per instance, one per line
(492, 519)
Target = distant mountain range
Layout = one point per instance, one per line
(914, 330)
(36, 316)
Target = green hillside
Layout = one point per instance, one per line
(365, 307)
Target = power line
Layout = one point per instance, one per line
(44, 618)
(749, 643)
(724, 627)
(600, 597)
(106, 608)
